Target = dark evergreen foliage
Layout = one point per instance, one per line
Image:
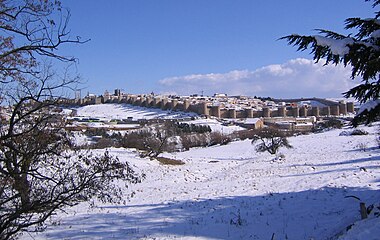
(193, 128)
(362, 53)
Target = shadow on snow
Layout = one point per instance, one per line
(319, 214)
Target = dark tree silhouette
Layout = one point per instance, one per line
(271, 140)
(39, 172)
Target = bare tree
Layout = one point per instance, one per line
(159, 139)
(271, 140)
(31, 30)
(39, 172)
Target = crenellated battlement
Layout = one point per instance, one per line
(226, 108)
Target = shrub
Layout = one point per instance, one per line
(362, 147)
(345, 133)
(331, 123)
(134, 140)
(193, 128)
(354, 132)
(194, 140)
(105, 143)
(244, 134)
(91, 132)
(359, 132)
(218, 138)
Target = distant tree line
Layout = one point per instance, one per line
(193, 128)
(153, 139)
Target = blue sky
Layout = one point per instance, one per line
(185, 47)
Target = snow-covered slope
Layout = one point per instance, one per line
(233, 192)
(123, 111)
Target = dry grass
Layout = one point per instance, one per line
(168, 161)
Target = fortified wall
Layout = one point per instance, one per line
(208, 109)
(267, 112)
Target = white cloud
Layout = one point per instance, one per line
(296, 78)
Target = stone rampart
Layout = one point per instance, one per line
(206, 108)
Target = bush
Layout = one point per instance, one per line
(104, 143)
(134, 140)
(359, 132)
(362, 147)
(194, 140)
(193, 128)
(244, 134)
(331, 123)
(345, 133)
(91, 132)
(354, 132)
(218, 138)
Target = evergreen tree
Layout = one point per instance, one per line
(360, 50)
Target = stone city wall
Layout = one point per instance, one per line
(205, 108)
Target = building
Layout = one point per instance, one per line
(252, 123)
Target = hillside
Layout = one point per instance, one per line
(120, 111)
(233, 192)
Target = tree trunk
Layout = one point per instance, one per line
(22, 186)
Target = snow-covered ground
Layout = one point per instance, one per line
(123, 111)
(233, 192)
(216, 126)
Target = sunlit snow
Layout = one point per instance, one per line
(233, 192)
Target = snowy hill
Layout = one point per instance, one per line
(121, 111)
(233, 192)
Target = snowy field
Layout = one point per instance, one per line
(123, 111)
(233, 192)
